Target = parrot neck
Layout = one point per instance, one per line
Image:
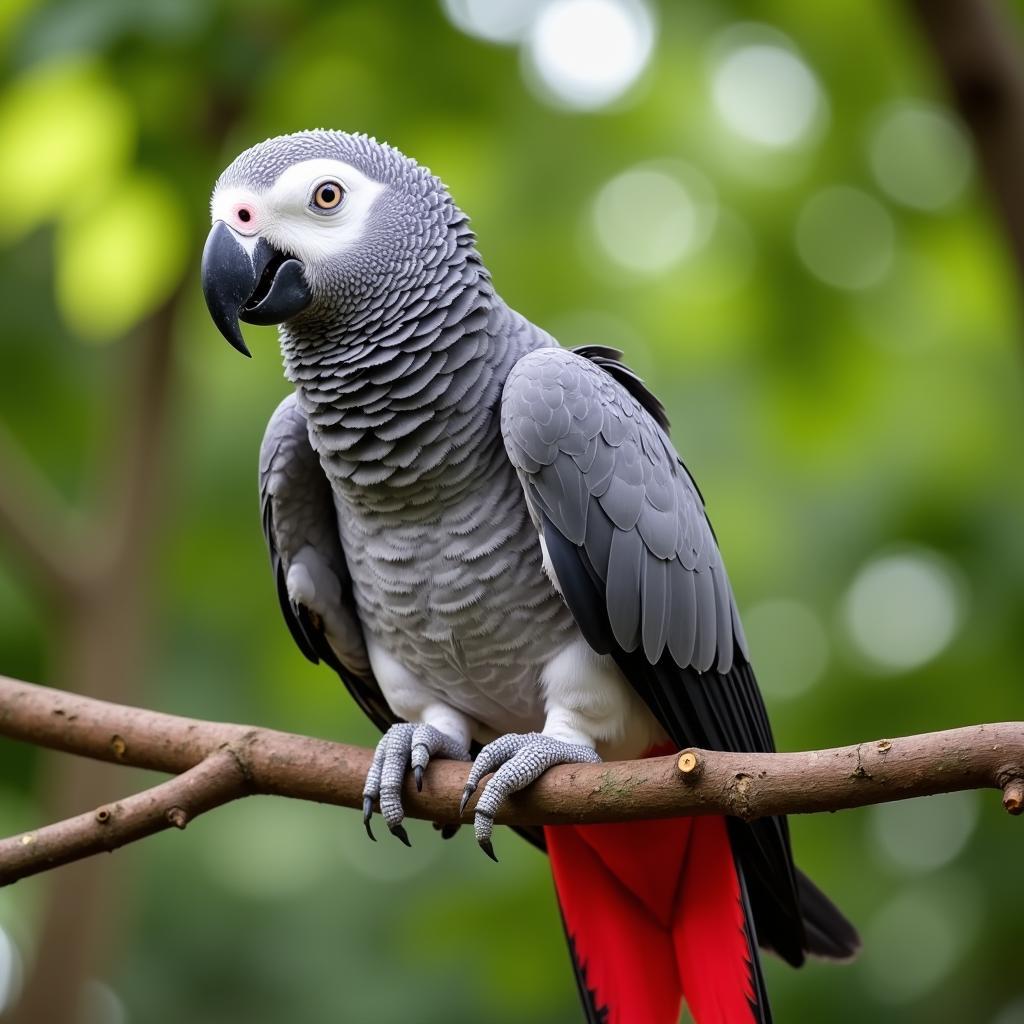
(402, 401)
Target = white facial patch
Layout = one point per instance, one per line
(283, 215)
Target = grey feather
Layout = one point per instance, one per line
(612, 484)
(300, 528)
(625, 565)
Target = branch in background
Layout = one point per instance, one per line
(975, 45)
(217, 762)
(131, 516)
(35, 521)
(99, 648)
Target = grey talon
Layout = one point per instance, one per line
(466, 794)
(367, 815)
(488, 848)
(399, 831)
(418, 773)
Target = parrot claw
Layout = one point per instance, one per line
(516, 761)
(367, 815)
(466, 794)
(399, 831)
(402, 747)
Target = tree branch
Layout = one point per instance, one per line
(216, 780)
(218, 762)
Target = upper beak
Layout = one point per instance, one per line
(261, 287)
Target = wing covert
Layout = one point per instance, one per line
(596, 463)
(308, 561)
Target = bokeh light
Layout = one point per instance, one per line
(902, 610)
(650, 218)
(920, 155)
(1011, 1014)
(914, 941)
(585, 54)
(920, 835)
(497, 21)
(788, 645)
(763, 89)
(65, 131)
(10, 970)
(101, 1005)
(846, 238)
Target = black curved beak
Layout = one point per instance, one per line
(266, 287)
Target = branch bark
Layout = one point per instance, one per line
(216, 780)
(217, 762)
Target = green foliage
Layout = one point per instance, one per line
(828, 427)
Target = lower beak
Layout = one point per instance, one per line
(264, 287)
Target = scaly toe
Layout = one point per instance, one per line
(516, 760)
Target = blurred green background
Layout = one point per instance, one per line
(771, 209)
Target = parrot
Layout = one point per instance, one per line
(493, 542)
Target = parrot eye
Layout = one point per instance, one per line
(327, 196)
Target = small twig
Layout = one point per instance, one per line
(1013, 796)
(216, 780)
(220, 762)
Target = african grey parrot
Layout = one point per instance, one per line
(495, 544)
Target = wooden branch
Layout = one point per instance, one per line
(218, 762)
(975, 45)
(216, 780)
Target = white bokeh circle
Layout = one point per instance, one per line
(585, 54)
(903, 609)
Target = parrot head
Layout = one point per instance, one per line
(319, 224)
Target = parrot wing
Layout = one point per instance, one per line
(631, 549)
(313, 582)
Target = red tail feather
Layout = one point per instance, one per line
(654, 911)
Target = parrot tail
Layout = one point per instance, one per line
(656, 911)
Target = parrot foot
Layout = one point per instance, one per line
(402, 747)
(517, 759)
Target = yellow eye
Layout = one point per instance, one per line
(327, 195)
